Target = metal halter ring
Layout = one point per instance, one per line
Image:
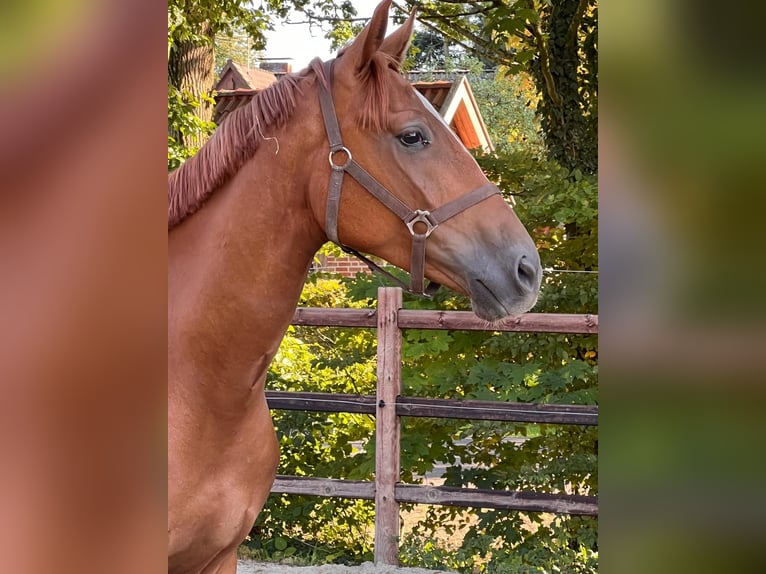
(335, 166)
(421, 216)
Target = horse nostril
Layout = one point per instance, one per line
(528, 274)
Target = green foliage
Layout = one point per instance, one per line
(186, 19)
(540, 545)
(232, 45)
(508, 107)
(253, 18)
(560, 208)
(567, 77)
(429, 51)
(184, 121)
(342, 32)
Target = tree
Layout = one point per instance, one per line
(191, 67)
(235, 46)
(566, 74)
(428, 51)
(508, 106)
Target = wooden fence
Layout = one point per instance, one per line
(388, 405)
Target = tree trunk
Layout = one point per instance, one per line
(191, 69)
(565, 113)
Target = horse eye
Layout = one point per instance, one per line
(412, 138)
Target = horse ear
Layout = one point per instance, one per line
(396, 44)
(375, 32)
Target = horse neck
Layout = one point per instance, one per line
(236, 269)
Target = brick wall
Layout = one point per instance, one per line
(345, 265)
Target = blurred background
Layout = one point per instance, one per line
(681, 177)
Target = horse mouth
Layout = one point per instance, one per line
(489, 306)
(498, 309)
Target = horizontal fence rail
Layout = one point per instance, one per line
(388, 406)
(441, 495)
(500, 499)
(436, 408)
(455, 320)
(527, 323)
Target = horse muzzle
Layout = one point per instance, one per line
(504, 287)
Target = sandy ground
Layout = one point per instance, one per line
(248, 567)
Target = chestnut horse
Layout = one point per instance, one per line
(246, 216)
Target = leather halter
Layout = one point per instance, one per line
(430, 219)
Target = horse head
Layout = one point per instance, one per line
(426, 190)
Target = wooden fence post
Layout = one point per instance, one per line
(387, 428)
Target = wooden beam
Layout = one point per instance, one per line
(331, 487)
(317, 317)
(500, 499)
(440, 495)
(526, 323)
(387, 427)
(498, 411)
(321, 402)
(437, 408)
(457, 320)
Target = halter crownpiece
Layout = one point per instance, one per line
(411, 217)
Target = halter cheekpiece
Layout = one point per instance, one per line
(342, 162)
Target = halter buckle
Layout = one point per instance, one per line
(339, 167)
(420, 216)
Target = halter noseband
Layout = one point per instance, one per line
(410, 217)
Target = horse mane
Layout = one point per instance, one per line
(239, 136)
(374, 114)
(233, 143)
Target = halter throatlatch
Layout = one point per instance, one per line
(342, 162)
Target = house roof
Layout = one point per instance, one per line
(237, 77)
(453, 99)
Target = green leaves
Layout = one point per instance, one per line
(280, 543)
(183, 120)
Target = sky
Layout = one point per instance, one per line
(302, 44)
